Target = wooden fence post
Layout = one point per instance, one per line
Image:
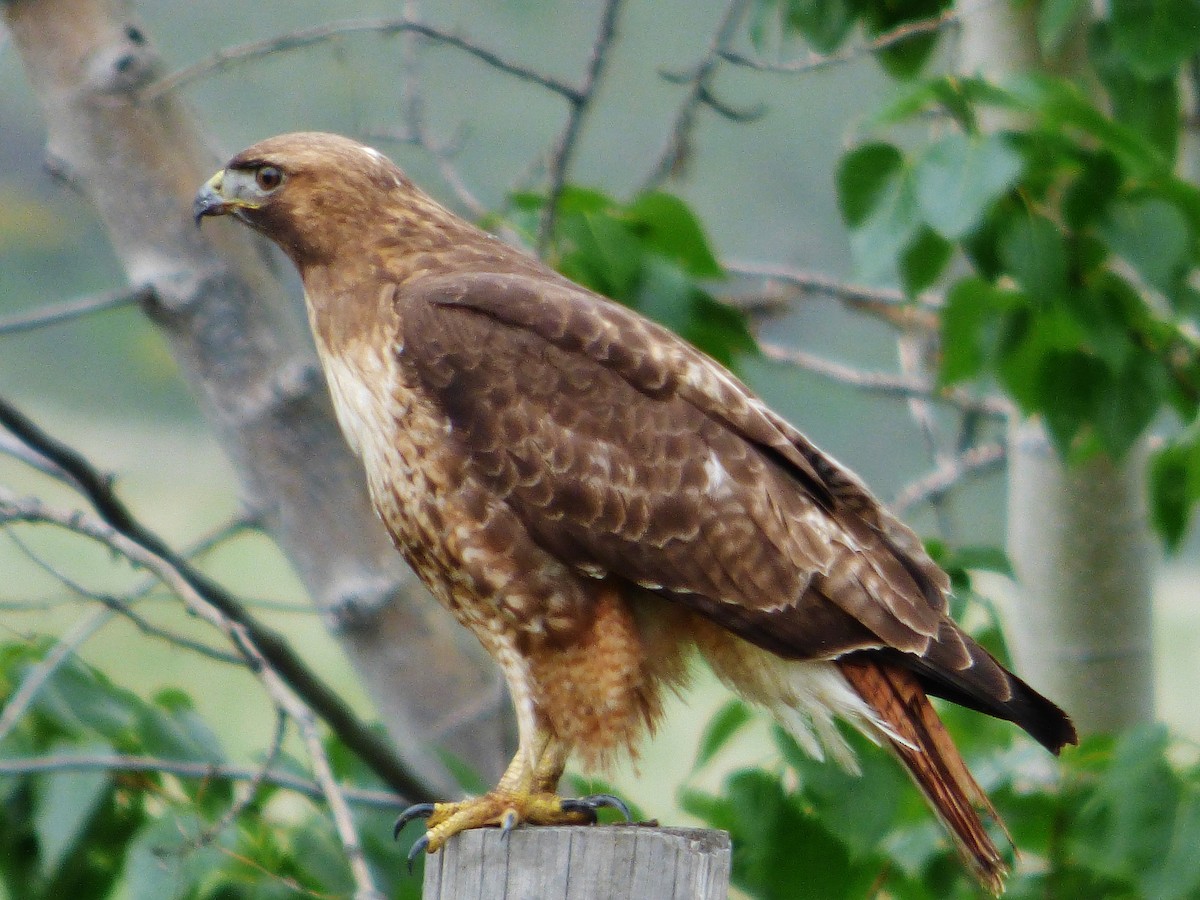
(606, 862)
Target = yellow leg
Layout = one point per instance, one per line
(524, 794)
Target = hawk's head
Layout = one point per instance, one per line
(308, 192)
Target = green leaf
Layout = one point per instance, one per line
(1071, 387)
(721, 727)
(904, 59)
(959, 177)
(1055, 20)
(981, 557)
(865, 177)
(859, 809)
(824, 24)
(666, 294)
(602, 253)
(66, 804)
(1149, 106)
(1155, 36)
(1174, 483)
(84, 700)
(1063, 107)
(1088, 195)
(669, 227)
(924, 260)
(971, 306)
(880, 239)
(1151, 235)
(1176, 875)
(1134, 395)
(174, 730)
(1033, 252)
(165, 861)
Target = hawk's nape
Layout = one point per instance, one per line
(595, 499)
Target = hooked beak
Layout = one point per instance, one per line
(210, 201)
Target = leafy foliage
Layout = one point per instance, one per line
(80, 832)
(1118, 819)
(1079, 240)
(650, 254)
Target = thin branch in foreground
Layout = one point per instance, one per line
(373, 749)
(564, 146)
(883, 303)
(812, 61)
(979, 460)
(122, 606)
(256, 781)
(68, 762)
(69, 310)
(307, 37)
(15, 508)
(882, 382)
(677, 151)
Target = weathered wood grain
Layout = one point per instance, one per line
(609, 862)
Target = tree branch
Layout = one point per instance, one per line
(978, 460)
(67, 762)
(890, 305)
(813, 61)
(882, 382)
(564, 147)
(678, 147)
(68, 310)
(307, 37)
(371, 748)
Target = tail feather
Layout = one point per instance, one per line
(920, 740)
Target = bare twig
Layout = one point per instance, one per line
(898, 386)
(415, 129)
(67, 762)
(812, 61)
(370, 747)
(332, 792)
(887, 304)
(568, 138)
(700, 94)
(307, 37)
(256, 781)
(122, 606)
(68, 310)
(30, 510)
(978, 460)
(913, 349)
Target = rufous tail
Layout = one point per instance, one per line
(923, 745)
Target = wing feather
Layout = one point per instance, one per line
(626, 451)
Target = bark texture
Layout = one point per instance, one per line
(222, 306)
(1078, 536)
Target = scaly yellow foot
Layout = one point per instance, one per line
(502, 809)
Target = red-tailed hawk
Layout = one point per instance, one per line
(595, 499)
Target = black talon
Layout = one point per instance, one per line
(416, 811)
(417, 849)
(507, 824)
(590, 805)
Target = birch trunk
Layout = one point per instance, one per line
(221, 305)
(1078, 536)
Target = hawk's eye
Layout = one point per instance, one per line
(268, 178)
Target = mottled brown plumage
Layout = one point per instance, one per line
(594, 499)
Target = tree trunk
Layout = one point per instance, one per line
(239, 341)
(1078, 536)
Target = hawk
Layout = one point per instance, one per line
(596, 500)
